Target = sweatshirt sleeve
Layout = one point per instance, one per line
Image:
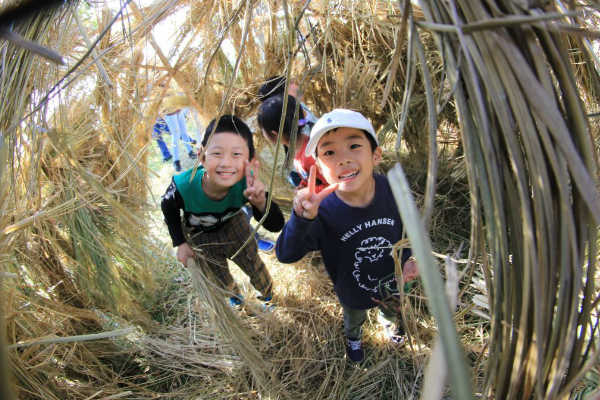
(299, 236)
(274, 221)
(171, 204)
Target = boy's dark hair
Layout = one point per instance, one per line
(273, 86)
(372, 141)
(230, 123)
(269, 115)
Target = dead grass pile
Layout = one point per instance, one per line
(532, 174)
(96, 308)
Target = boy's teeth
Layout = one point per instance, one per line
(348, 175)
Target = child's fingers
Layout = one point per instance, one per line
(254, 164)
(410, 270)
(326, 192)
(312, 178)
(254, 192)
(308, 202)
(249, 193)
(301, 195)
(258, 183)
(249, 173)
(247, 169)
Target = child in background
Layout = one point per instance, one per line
(275, 86)
(157, 130)
(269, 116)
(212, 227)
(354, 222)
(176, 124)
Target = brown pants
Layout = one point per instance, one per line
(214, 248)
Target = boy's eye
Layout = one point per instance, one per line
(328, 153)
(355, 145)
(237, 154)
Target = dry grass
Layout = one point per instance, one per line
(82, 254)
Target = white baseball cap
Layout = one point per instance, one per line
(338, 118)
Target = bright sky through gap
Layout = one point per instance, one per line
(165, 32)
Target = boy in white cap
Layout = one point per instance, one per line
(353, 222)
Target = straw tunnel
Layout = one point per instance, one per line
(488, 116)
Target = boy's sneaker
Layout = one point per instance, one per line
(266, 246)
(177, 166)
(266, 301)
(168, 158)
(192, 154)
(236, 301)
(394, 334)
(354, 350)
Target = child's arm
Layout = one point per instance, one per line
(302, 232)
(256, 195)
(171, 204)
(274, 221)
(299, 236)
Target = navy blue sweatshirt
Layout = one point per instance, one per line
(355, 243)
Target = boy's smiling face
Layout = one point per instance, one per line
(344, 156)
(223, 161)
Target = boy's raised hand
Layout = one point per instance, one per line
(410, 270)
(255, 189)
(306, 201)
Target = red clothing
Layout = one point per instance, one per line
(302, 164)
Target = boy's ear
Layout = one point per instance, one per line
(377, 155)
(201, 154)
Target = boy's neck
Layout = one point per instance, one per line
(359, 198)
(213, 193)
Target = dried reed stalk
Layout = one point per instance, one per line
(74, 200)
(532, 174)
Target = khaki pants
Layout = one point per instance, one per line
(212, 250)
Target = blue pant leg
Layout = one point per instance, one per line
(183, 131)
(164, 150)
(171, 121)
(157, 131)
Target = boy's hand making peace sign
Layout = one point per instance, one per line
(255, 189)
(306, 201)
